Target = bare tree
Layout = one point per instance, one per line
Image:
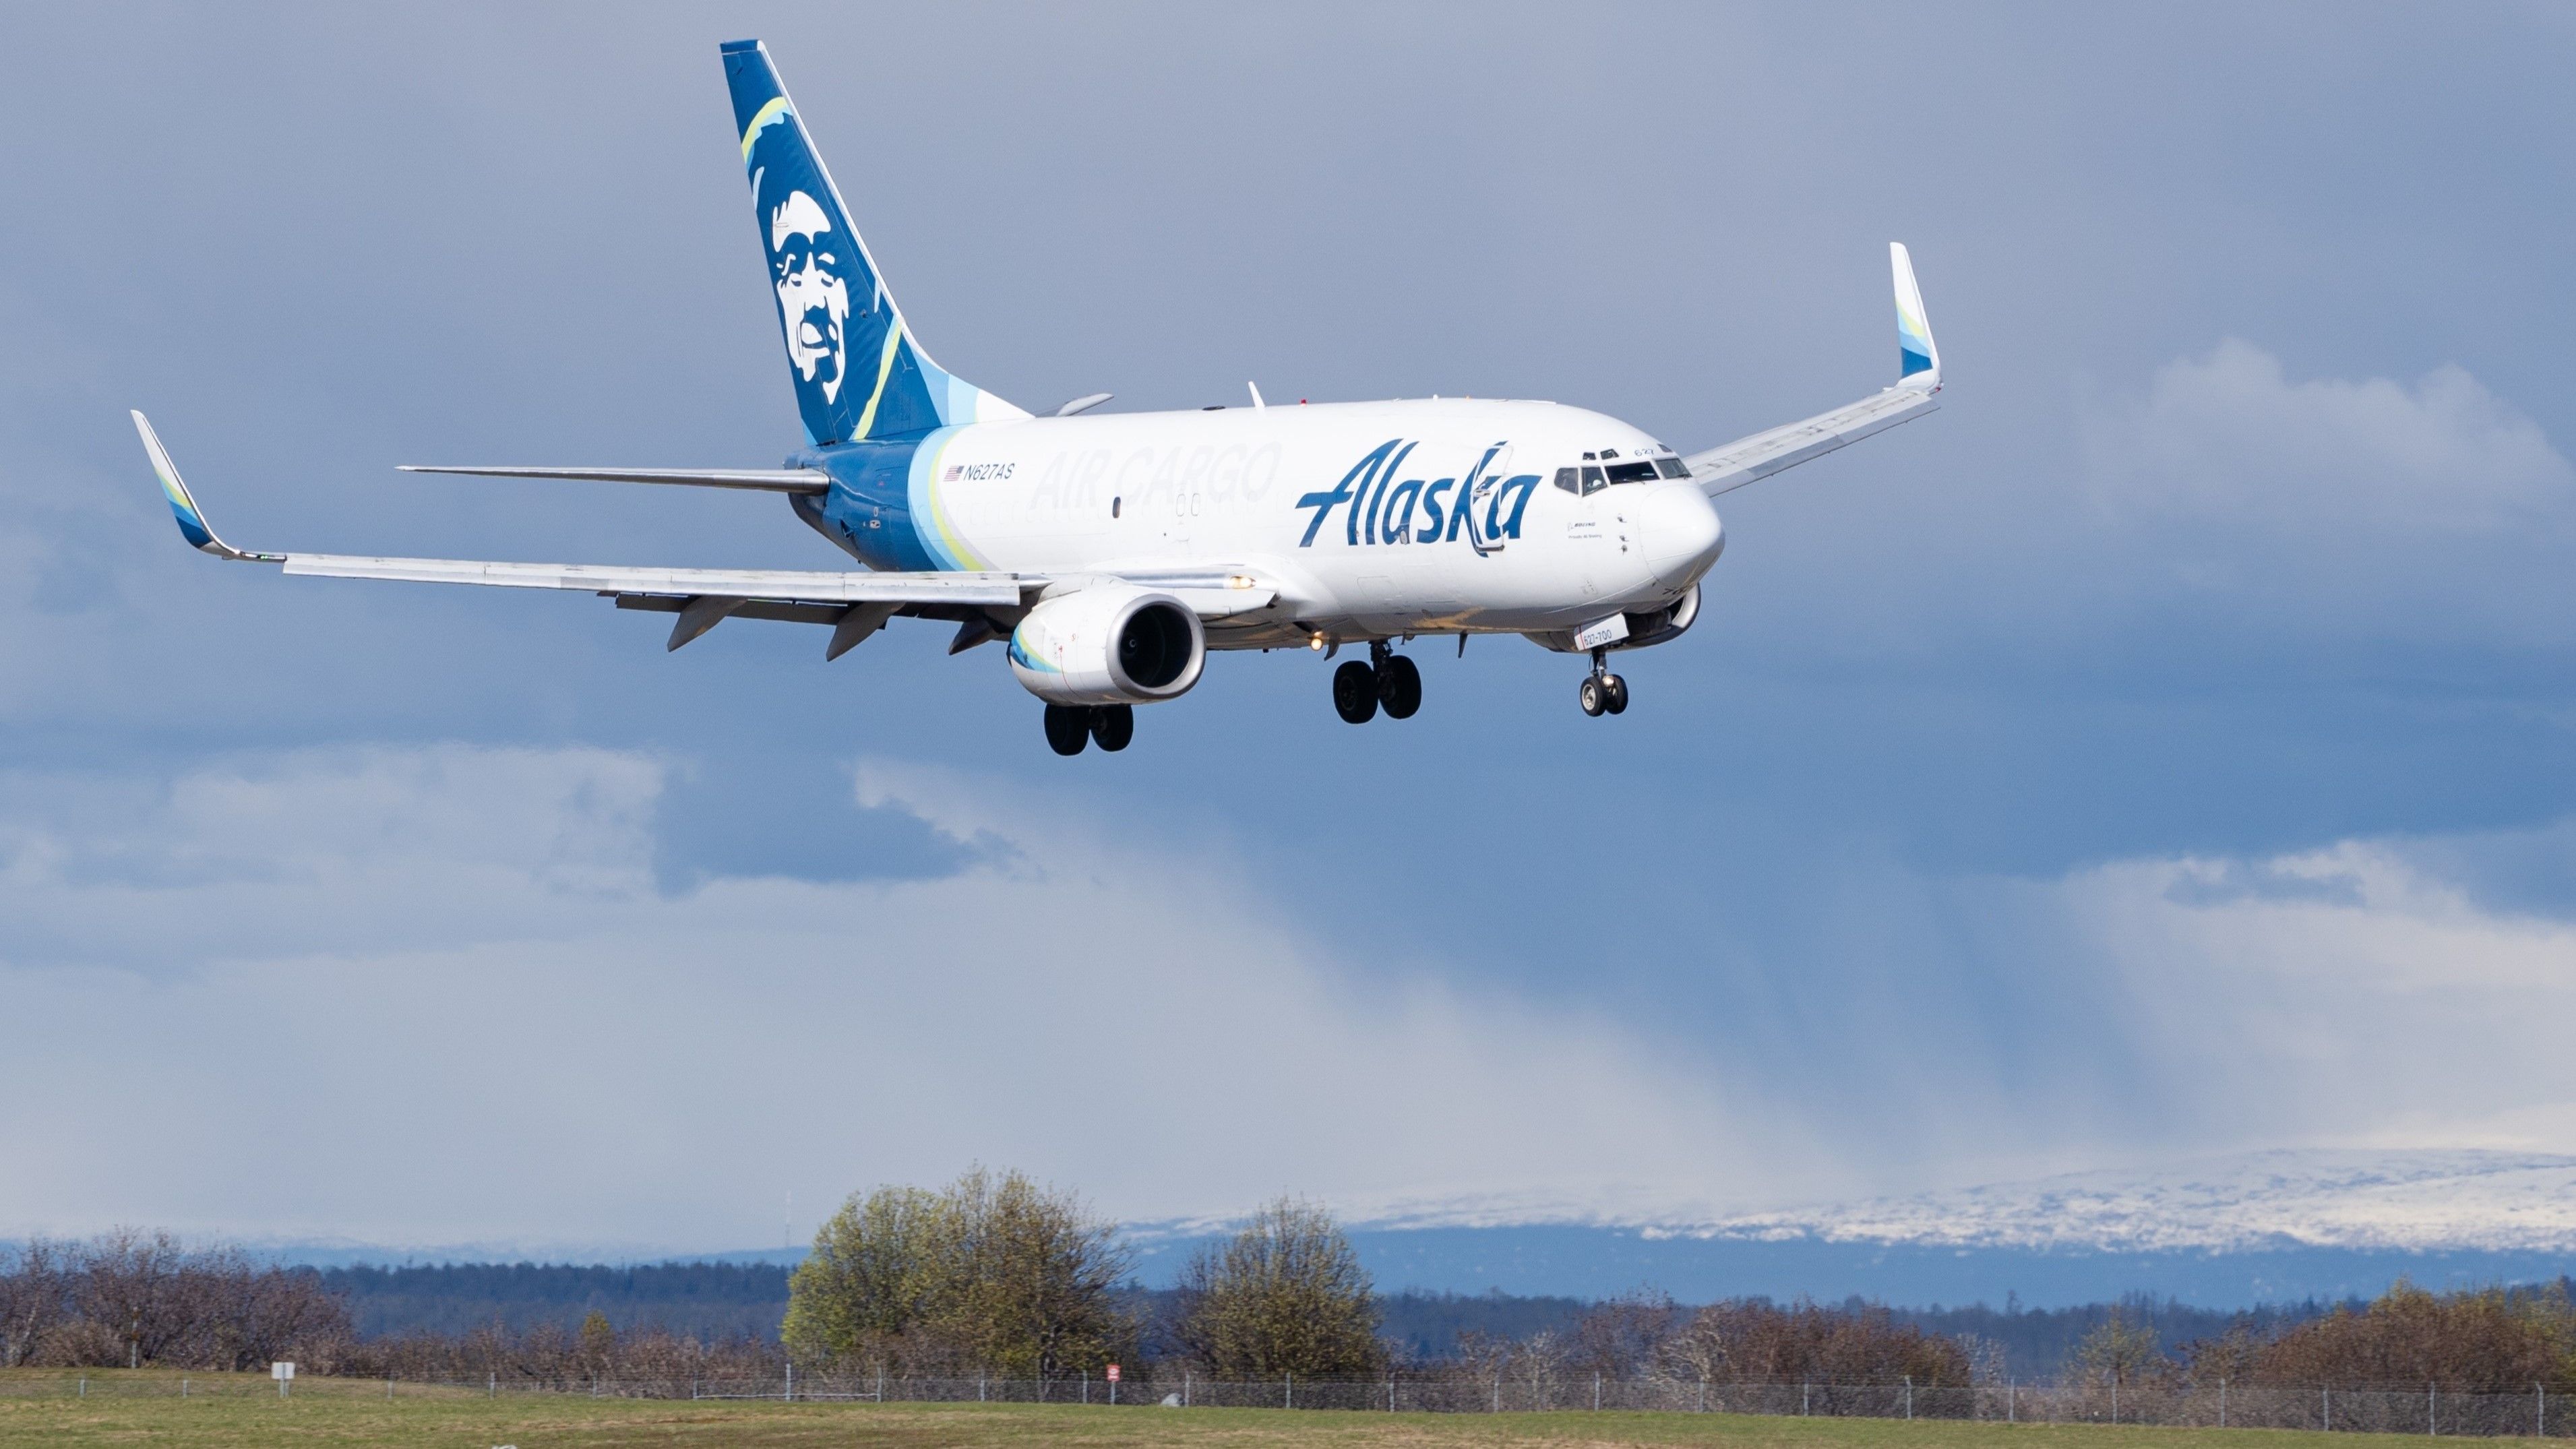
(34, 1300)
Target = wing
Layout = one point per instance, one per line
(1918, 377)
(854, 603)
(766, 480)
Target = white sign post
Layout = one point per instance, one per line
(284, 1373)
(1113, 1383)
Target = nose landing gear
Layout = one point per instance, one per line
(1601, 691)
(1069, 727)
(1388, 679)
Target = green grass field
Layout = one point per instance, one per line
(240, 1411)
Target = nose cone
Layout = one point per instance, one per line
(1681, 533)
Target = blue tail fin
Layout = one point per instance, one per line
(858, 371)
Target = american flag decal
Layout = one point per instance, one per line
(951, 475)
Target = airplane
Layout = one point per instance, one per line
(1115, 551)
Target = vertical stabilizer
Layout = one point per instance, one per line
(858, 371)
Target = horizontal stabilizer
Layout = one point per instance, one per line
(766, 480)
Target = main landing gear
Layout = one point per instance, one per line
(1071, 726)
(1387, 679)
(1602, 692)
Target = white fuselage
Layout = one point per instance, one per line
(1349, 511)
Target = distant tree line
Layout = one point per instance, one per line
(133, 1298)
(996, 1275)
(2491, 1340)
(714, 1301)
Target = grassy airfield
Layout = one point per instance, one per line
(240, 1411)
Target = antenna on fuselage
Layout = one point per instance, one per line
(1257, 403)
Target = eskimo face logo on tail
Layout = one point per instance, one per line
(807, 267)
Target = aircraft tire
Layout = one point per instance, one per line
(1112, 726)
(1399, 687)
(1355, 692)
(1067, 729)
(1592, 696)
(1614, 691)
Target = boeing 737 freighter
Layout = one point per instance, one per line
(1114, 551)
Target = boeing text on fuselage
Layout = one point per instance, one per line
(1113, 553)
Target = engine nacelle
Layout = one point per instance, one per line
(1116, 644)
(1653, 626)
(1662, 625)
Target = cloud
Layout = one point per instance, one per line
(432, 994)
(2363, 992)
(2430, 510)
(429, 994)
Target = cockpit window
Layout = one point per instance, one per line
(1592, 480)
(1637, 472)
(1672, 467)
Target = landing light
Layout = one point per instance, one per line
(1317, 642)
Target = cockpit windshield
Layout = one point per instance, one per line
(1604, 468)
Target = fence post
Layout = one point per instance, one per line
(1703, 1395)
(1596, 1393)
(2540, 1412)
(2325, 1409)
(492, 1385)
(979, 1386)
(880, 1381)
(790, 1395)
(2432, 1406)
(1185, 1388)
(2222, 1403)
(1909, 1400)
(1288, 1392)
(1498, 1391)
(84, 1386)
(183, 1386)
(1390, 1391)
(1086, 1386)
(1802, 1398)
(2012, 1389)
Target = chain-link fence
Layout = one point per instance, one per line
(2375, 1409)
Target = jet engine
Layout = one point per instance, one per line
(1649, 626)
(1661, 625)
(1115, 644)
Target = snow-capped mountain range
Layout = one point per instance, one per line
(2380, 1201)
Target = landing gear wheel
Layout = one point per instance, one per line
(1614, 691)
(1399, 687)
(1067, 729)
(1592, 696)
(1112, 726)
(1355, 692)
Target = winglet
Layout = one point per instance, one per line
(191, 522)
(1918, 357)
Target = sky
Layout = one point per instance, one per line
(2164, 750)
